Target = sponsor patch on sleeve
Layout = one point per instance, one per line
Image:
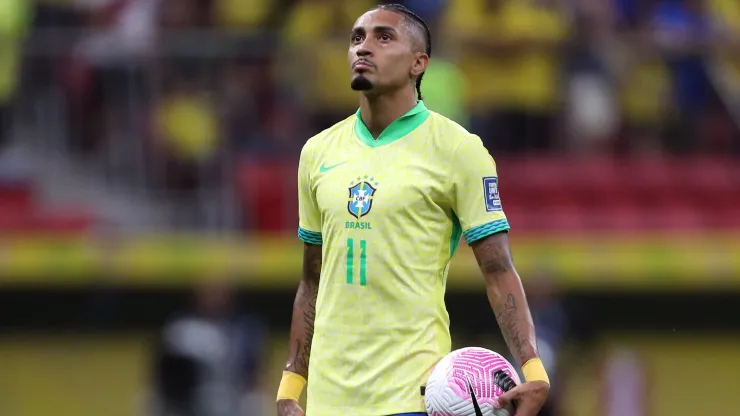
(490, 190)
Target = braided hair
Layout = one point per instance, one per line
(415, 19)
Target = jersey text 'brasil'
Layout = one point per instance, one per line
(389, 213)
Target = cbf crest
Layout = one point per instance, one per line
(361, 195)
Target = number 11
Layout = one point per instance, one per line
(351, 261)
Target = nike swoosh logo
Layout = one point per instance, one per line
(323, 168)
(478, 412)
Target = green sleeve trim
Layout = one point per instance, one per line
(310, 237)
(484, 230)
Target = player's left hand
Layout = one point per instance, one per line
(528, 397)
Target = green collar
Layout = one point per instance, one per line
(399, 128)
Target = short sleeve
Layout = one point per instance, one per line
(309, 216)
(475, 196)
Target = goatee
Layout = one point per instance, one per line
(360, 83)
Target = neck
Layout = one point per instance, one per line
(379, 111)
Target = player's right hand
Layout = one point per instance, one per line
(286, 407)
(529, 398)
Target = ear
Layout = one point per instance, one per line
(420, 64)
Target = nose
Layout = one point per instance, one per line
(363, 51)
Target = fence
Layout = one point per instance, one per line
(168, 125)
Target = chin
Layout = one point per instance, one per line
(361, 83)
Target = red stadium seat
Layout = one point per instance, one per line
(650, 180)
(711, 183)
(19, 213)
(520, 217)
(17, 197)
(594, 173)
(559, 218)
(538, 176)
(268, 190)
(75, 222)
(621, 194)
(676, 218)
(620, 219)
(29, 222)
(724, 219)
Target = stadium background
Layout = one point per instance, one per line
(149, 152)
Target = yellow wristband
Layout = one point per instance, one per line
(291, 386)
(534, 371)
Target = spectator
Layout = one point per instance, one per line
(429, 10)
(14, 21)
(242, 15)
(187, 143)
(511, 52)
(207, 360)
(240, 84)
(444, 86)
(314, 56)
(184, 14)
(445, 89)
(641, 78)
(551, 320)
(112, 60)
(724, 65)
(681, 33)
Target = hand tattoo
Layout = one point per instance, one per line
(287, 408)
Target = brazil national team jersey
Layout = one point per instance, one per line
(389, 213)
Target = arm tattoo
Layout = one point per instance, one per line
(306, 305)
(506, 295)
(286, 408)
(304, 311)
(493, 256)
(508, 320)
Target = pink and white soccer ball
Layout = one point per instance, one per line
(447, 392)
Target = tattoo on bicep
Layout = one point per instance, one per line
(493, 255)
(312, 265)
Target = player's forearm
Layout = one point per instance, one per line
(509, 303)
(304, 312)
(506, 295)
(301, 329)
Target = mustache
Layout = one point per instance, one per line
(363, 61)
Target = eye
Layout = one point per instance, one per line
(356, 38)
(385, 37)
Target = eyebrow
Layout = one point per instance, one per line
(376, 29)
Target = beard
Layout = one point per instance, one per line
(360, 83)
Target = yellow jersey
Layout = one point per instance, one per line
(526, 80)
(389, 213)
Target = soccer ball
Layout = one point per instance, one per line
(448, 389)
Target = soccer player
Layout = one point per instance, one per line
(384, 197)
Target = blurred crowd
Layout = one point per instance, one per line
(185, 89)
(185, 95)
